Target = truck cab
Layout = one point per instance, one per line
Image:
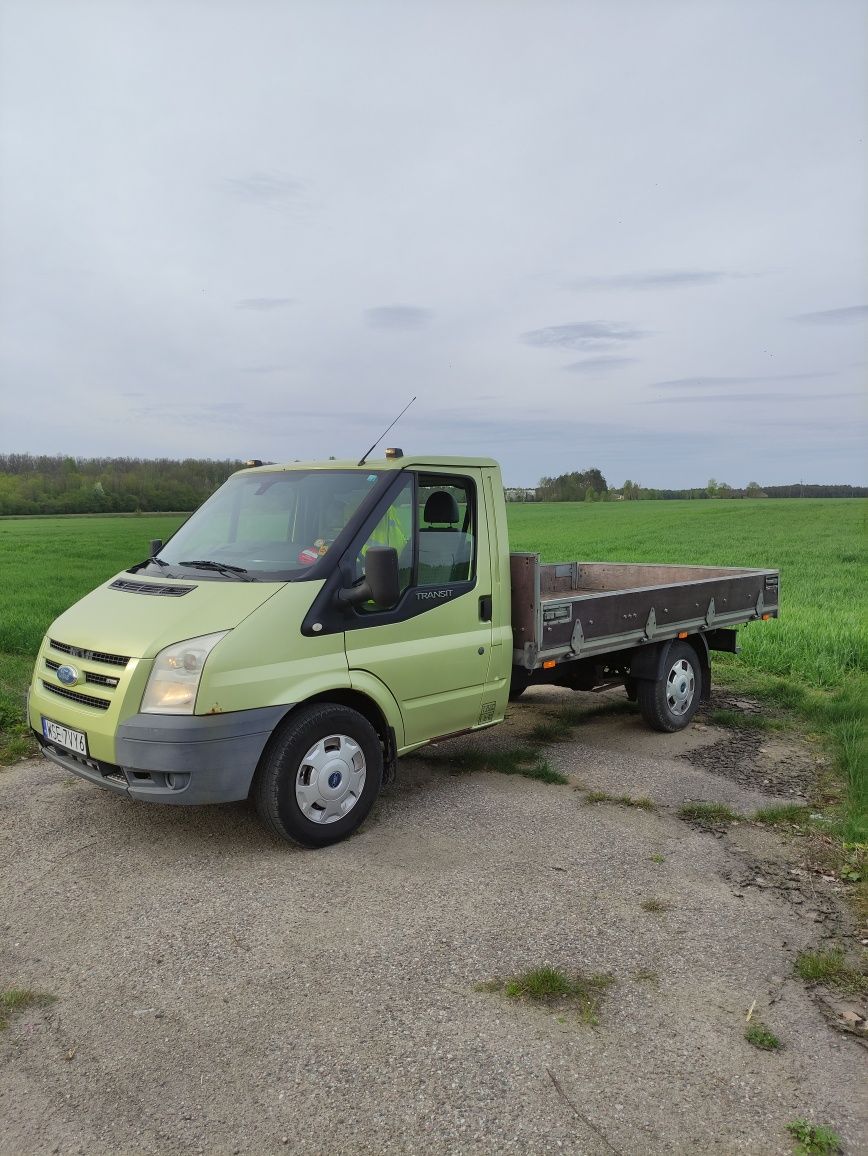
(306, 626)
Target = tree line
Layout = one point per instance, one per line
(65, 485)
(41, 484)
(590, 486)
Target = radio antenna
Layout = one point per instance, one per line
(361, 460)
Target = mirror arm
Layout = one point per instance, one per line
(353, 595)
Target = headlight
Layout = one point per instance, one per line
(175, 676)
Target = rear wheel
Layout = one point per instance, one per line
(671, 702)
(321, 776)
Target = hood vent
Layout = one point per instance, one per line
(155, 588)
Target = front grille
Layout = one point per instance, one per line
(74, 696)
(89, 655)
(150, 588)
(89, 675)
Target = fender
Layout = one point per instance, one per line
(368, 684)
(649, 663)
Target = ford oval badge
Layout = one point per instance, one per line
(68, 675)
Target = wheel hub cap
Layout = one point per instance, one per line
(680, 687)
(330, 779)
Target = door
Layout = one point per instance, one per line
(433, 649)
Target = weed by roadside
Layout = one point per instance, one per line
(829, 966)
(761, 1037)
(15, 1000)
(788, 815)
(814, 1139)
(620, 800)
(548, 732)
(15, 741)
(743, 720)
(557, 726)
(655, 906)
(708, 816)
(523, 761)
(554, 988)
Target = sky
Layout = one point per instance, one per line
(630, 234)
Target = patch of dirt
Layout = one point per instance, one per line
(768, 762)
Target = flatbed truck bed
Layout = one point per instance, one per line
(586, 624)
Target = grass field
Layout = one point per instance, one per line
(809, 666)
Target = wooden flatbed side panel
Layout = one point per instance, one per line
(524, 571)
(623, 612)
(589, 577)
(558, 578)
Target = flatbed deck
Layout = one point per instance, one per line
(572, 610)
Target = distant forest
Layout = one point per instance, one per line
(67, 485)
(64, 485)
(590, 486)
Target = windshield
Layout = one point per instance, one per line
(271, 526)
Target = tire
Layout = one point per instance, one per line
(671, 702)
(320, 777)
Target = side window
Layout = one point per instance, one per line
(447, 529)
(395, 528)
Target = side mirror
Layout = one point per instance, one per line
(380, 583)
(155, 547)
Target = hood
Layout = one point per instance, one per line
(124, 621)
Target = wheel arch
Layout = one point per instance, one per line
(648, 663)
(354, 700)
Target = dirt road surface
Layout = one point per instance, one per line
(219, 992)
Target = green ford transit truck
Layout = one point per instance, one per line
(313, 621)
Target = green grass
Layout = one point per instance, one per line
(707, 814)
(814, 1139)
(46, 564)
(744, 720)
(15, 1000)
(524, 761)
(655, 906)
(557, 726)
(554, 988)
(787, 815)
(761, 1037)
(620, 800)
(829, 966)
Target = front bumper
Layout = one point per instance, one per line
(179, 759)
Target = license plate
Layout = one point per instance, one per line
(63, 736)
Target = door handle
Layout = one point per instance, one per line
(485, 608)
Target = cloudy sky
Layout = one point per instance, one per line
(601, 232)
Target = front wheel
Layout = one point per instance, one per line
(671, 702)
(321, 775)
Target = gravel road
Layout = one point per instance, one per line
(219, 992)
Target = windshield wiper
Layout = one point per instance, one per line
(158, 561)
(221, 567)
